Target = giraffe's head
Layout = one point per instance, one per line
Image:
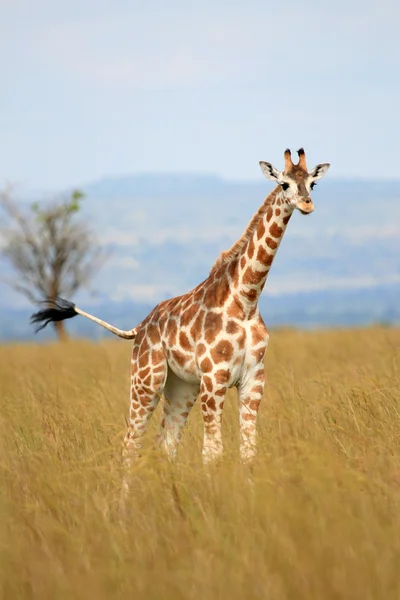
(295, 181)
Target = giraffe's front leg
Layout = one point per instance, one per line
(212, 395)
(250, 395)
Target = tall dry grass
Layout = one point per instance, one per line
(321, 518)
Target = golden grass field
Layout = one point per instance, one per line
(321, 518)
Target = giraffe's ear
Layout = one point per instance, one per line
(319, 171)
(270, 172)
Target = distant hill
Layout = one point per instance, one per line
(338, 266)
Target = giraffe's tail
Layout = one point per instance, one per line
(60, 309)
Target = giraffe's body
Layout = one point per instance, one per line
(203, 342)
(213, 337)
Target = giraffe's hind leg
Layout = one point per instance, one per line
(149, 372)
(179, 397)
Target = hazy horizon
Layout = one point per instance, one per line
(22, 189)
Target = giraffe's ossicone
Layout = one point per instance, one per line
(212, 338)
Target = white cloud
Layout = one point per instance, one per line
(315, 283)
(125, 262)
(120, 238)
(144, 292)
(158, 236)
(277, 286)
(351, 234)
(357, 235)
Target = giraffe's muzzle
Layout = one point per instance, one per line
(306, 206)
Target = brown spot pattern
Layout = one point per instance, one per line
(240, 340)
(232, 328)
(208, 383)
(184, 341)
(264, 257)
(258, 334)
(233, 272)
(223, 290)
(261, 229)
(275, 230)
(152, 334)
(258, 354)
(211, 404)
(258, 389)
(188, 316)
(147, 380)
(222, 376)
(251, 295)
(220, 392)
(144, 372)
(157, 356)
(195, 329)
(171, 331)
(235, 309)
(253, 277)
(212, 326)
(201, 349)
(271, 243)
(250, 250)
(210, 298)
(208, 418)
(259, 375)
(143, 359)
(248, 417)
(179, 357)
(223, 351)
(206, 365)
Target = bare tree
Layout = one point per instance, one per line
(52, 252)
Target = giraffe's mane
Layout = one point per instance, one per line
(234, 251)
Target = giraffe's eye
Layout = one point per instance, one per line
(285, 186)
(312, 186)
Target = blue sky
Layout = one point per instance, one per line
(92, 88)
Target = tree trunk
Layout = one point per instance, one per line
(58, 325)
(61, 331)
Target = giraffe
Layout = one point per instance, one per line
(212, 338)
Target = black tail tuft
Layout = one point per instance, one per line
(58, 310)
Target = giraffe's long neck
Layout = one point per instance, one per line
(256, 258)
